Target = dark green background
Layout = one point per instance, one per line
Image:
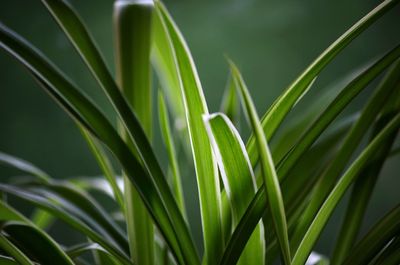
(272, 41)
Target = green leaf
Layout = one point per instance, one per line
(205, 164)
(256, 208)
(85, 207)
(365, 183)
(23, 166)
(281, 107)
(83, 42)
(44, 250)
(132, 24)
(13, 251)
(166, 133)
(83, 111)
(376, 239)
(47, 205)
(270, 177)
(7, 260)
(337, 193)
(78, 250)
(238, 179)
(23, 232)
(351, 142)
(390, 255)
(230, 102)
(42, 219)
(105, 165)
(164, 62)
(349, 92)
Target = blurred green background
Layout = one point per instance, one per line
(272, 41)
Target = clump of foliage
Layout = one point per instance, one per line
(257, 204)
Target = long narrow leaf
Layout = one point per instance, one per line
(280, 108)
(83, 110)
(132, 24)
(205, 164)
(255, 209)
(83, 42)
(365, 183)
(376, 239)
(238, 178)
(172, 155)
(67, 217)
(13, 251)
(23, 165)
(44, 250)
(105, 165)
(270, 177)
(337, 193)
(351, 142)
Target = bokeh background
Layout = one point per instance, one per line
(272, 41)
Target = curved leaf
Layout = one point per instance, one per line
(105, 166)
(351, 142)
(44, 250)
(337, 193)
(255, 209)
(23, 165)
(67, 217)
(83, 111)
(238, 178)
(270, 177)
(205, 164)
(281, 107)
(172, 156)
(365, 183)
(83, 42)
(13, 251)
(376, 239)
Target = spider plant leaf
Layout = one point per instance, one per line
(390, 255)
(29, 233)
(255, 209)
(238, 179)
(42, 219)
(132, 26)
(230, 102)
(205, 164)
(296, 188)
(349, 92)
(281, 107)
(365, 183)
(47, 205)
(85, 207)
(320, 220)
(44, 250)
(376, 239)
(80, 249)
(164, 63)
(319, 126)
(270, 177)
(85, 112)
(23, 166)
(39, 218)
(13, 251)
(83, 42)
(351, 142)
(7, 260)
(166, 133)
(105, 165)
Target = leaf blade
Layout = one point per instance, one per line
(269, 174)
